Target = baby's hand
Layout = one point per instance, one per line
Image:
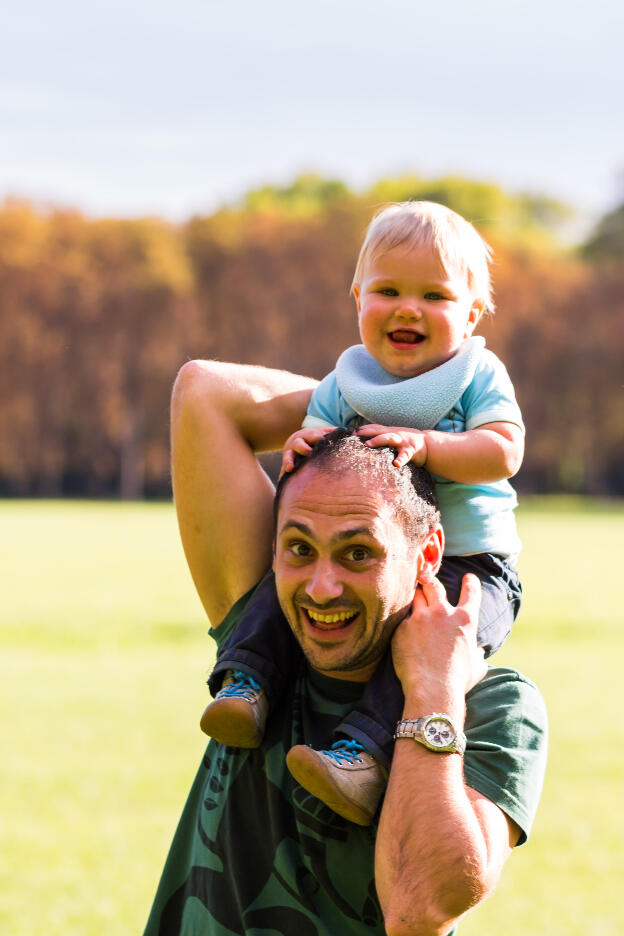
(301, 442)
(411, 444)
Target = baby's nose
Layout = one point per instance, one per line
(409, 308)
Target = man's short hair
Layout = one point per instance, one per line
(412, 495)
(458, 245)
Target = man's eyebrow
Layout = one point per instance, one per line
(353, 532)
(296, 525)
(339, 537)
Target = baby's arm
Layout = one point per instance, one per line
(488, 453)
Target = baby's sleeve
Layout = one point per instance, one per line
(491, 396)
(327, 406)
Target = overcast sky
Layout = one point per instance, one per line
(129, 107)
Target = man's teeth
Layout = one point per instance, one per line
(331, 618)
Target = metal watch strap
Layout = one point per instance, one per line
(414, 728)
(407, 727)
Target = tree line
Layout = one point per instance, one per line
(97, 316)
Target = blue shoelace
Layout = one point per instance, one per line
(345, 750)
(242, 686)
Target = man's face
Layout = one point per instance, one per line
(345, 571)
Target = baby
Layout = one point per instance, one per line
(420, 383)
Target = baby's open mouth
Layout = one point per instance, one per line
(406, 337)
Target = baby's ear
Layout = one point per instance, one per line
(357, 292)
(476, 311)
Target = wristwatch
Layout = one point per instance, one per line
(437, 732)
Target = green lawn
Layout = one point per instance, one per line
(105, 656)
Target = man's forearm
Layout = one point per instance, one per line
(431, 856)
(441, 845)
(264, 405)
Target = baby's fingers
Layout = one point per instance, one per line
(386, 438)
(287, 462)
(373, 429)
(405, 454)
(296, 446)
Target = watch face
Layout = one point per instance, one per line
(439, 733)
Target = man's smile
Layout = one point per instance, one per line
(332, 621)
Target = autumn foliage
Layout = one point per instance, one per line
(97, 316)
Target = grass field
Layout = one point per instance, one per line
(104, 661)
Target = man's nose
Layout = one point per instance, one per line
(324, 583)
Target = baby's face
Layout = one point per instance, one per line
(413, 316)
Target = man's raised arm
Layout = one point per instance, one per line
(441, 845)
(221, 414)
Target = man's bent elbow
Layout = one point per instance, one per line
(196, 384)
(193, 378)
(410, 926)
(436, 916)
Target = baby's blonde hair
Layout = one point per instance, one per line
(460, 248)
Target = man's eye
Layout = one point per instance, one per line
(357, 554)
(300, 549)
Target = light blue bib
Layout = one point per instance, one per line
(419, 402)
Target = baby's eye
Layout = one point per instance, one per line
(436, 296)
(389, 291)
(357, 554)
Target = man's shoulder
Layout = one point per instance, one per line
(507, 709)
(504, 685)
(506, 743)
(221, 631)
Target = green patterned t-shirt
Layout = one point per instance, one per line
(256, 855)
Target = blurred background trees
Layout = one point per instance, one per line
(96, 317)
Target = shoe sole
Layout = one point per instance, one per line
(226, 723)
(305, 768)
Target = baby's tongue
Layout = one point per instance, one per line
(407, 337)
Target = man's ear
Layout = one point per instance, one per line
(430, 555)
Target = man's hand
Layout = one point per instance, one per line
(411, 444)
(435, 650)
(301, 442)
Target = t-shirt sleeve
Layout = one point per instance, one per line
(491, 396)
(506, 744)
(327, 406)
(228, 625)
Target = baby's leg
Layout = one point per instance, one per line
(252, 666)
(262, 645)
(501, 594)
(351, 776)
(380, 708)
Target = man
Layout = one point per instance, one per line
(254, 853)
